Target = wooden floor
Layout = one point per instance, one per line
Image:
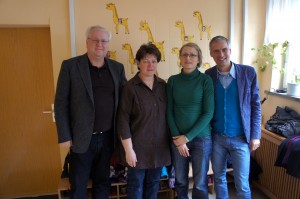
(41, 197)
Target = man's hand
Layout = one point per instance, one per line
(66, 144)
(254, 144)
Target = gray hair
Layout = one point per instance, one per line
(218, 38)
(91, 28)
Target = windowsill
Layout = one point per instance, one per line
(283, 95)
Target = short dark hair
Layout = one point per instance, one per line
(149, 49)
(218, 38)
(196, 47)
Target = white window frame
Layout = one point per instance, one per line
(282, 19)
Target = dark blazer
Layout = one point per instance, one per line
(249, 98)
(74, 101)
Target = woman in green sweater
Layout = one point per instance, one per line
(190, 109)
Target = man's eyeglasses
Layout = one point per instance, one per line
(97, 41)
(188, 55)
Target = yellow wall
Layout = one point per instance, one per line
(161, 17)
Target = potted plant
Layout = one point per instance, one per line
(293, 87)
(266, 55)
(273, 55)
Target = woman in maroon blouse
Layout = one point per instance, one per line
(142, 126)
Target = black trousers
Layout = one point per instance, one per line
(93, 164)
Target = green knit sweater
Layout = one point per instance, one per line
(190, 104)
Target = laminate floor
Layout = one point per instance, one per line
(256, 194)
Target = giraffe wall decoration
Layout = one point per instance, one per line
(184, 38)
(202, 28)
(117, 21)
(207, 29)
(112, 55)
(160, 45)
(175, 51)
(127, 47)
(206, 65)
(144, 26)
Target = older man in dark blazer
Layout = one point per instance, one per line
(86, 101)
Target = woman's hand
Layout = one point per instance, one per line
(129, 152)
(131, 158)
(180, 140)
(183, 150)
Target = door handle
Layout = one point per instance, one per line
(51, 112)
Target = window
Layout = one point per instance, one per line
(282, 21)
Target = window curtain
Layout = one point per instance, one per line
(282, 23)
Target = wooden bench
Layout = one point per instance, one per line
(118, 190)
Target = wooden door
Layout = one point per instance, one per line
(29, 153)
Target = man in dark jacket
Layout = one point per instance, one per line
(86, 101)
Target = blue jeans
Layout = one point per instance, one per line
(239, 150)
(200, 152)
(143, 183)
